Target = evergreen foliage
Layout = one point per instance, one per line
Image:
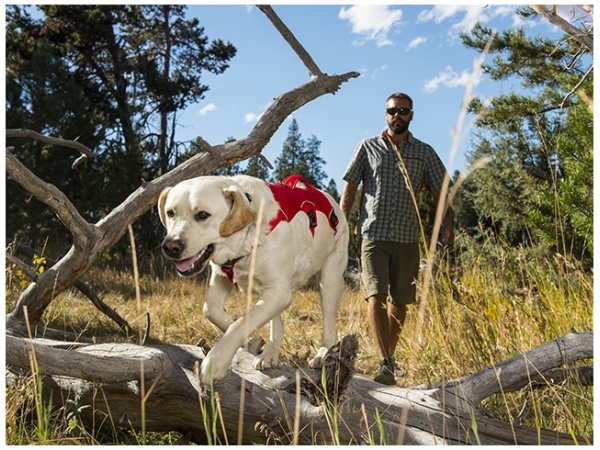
(332, 190)
(258, 168)
(300, 157)
(538, 187)
(114, 77)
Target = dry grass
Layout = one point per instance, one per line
(175, 307)
(486, 308)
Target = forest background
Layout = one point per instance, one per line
(523, 215)
(70, 74)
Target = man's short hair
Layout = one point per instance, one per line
(401, 95)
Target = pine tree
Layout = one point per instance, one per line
(41, 95)
(540, 140)
(258, 168)
(300, 157)
(332, 190)
(314, 163)
(290, 160)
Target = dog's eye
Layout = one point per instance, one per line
(202, 215)
(170, 213)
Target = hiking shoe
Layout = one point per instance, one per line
(384, 376)
(390, 363)
(388, 372)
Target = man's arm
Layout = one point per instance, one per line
(446, 229)
(348, 196)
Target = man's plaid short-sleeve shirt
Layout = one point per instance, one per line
(388, 211)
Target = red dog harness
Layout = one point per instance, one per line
(294, 195)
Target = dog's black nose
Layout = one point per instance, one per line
(173, 248)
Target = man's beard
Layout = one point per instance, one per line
(398, 126)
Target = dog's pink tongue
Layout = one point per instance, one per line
(186, 264)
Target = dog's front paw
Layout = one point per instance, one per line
(319, 360)
(268, 358)
(212, 369)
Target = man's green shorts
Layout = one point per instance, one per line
(390, 268)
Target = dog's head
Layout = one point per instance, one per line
(200, 215)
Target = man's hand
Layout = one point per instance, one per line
(446, 235)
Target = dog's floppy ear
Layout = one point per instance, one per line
(240, 215)
(161, 205)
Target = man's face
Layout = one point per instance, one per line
(398, 114)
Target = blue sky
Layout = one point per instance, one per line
(411, 48)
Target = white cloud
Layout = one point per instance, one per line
(464, 16)
(372, 22)
(449, 78)
(439, 13)
(251, 117)
(206, 109)
(415, 43)
(254, 117)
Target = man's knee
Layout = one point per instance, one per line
(377, 299)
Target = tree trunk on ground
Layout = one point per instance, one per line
(113, 383)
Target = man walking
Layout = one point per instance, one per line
(392, 168)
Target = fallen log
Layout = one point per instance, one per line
(127, 384)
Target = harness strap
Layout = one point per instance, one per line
(227, 269)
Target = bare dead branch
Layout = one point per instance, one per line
(265, 160)
(577, 86)
(507, 376)
(581, 375)
(24, 133)
(50, 195)
(313, 69)
(25, 268)
(82, 286)
(550, 14)
(78, 161)
(203, 145)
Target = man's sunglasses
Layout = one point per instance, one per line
(402, 111)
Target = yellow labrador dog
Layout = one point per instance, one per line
(213, 220)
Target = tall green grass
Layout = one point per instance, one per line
(486, 303)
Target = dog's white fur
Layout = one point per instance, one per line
(223, 211)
